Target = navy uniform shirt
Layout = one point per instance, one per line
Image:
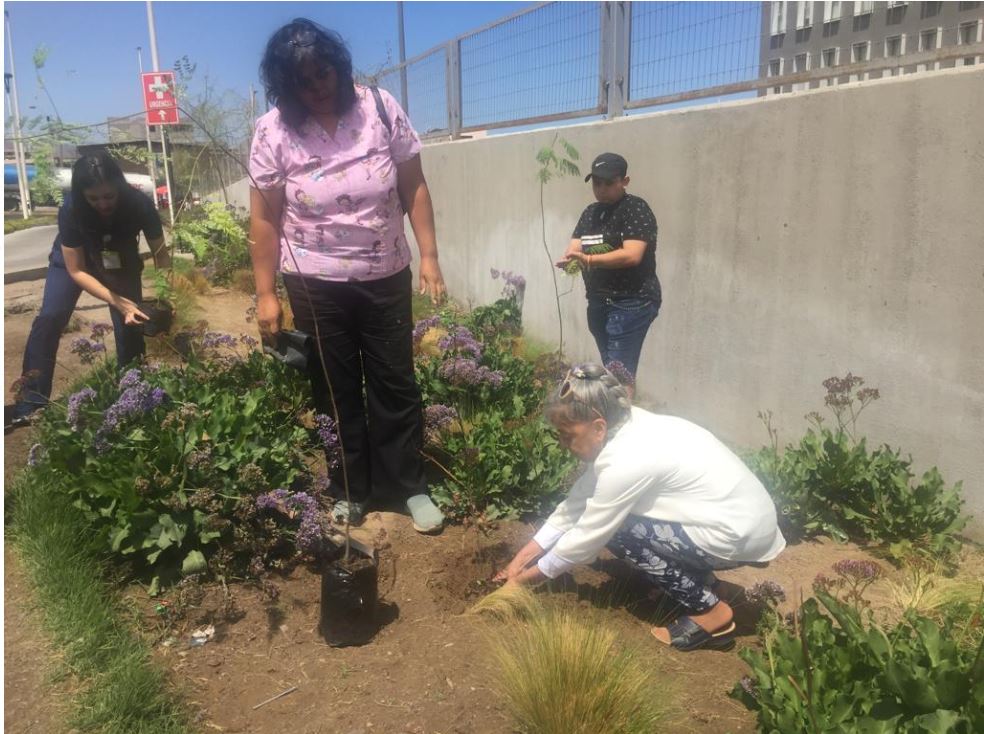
(111, 248)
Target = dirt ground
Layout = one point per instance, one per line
(427, 671)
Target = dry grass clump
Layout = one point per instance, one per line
(563, 673)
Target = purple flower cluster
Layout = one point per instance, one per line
(200, 458)
(35, 454)
(766, 593)
(621, 373)
(73, 415)
(87, 349)
(515, 285)
(328, 433)
(215, 339)
(248, 341)
(136, 399)
(100, 330)
(438, 417)
(465, 372)
(857, 570)
(421, 327)
(461, 340)
(310, 532)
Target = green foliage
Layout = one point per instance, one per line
(502, 468)
(831, 484)
(175, 484)
(836, 673)
(132, 153)
(217, 239)
(120, 687)
(14, 223)
(554, 164)
(497, 458)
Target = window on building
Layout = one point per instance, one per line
(860, 52)
(801, 62)
(896, 4)
(778, 18)
(831, 11)
(893, 46)
(829, 58)
(927, 40)
(775, 69)
(967, 33)
(863, 8)
(804, 14)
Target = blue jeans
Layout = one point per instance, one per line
(61, 294)
(619, 326)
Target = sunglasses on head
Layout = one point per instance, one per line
(567, 387)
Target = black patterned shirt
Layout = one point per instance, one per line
(630, 218)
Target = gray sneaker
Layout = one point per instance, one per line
(426, 517)
(354, 512)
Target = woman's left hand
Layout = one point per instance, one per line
(432, 281)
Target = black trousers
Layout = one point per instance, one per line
(366, 331)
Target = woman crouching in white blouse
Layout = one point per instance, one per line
(660, 492)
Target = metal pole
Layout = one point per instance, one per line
(22, 185)
(404, 102)
(157, 67)
(151, 168)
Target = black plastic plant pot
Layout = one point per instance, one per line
(160, 317)
(349, 595)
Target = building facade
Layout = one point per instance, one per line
(803, 36)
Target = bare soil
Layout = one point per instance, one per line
(427, 670)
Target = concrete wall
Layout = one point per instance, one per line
(800, 237)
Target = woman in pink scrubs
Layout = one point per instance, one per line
(335, 166)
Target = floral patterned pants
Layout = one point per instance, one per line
(670, 560)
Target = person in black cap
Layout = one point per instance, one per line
(614, 246)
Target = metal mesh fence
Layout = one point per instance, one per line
(680, 47)
(543, 62)
(427, 89)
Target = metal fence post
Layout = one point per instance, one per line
(454, 88)
(616, 38)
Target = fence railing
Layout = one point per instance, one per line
(565, 60)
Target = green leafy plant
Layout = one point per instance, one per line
(834, 671)
(217, 239)
(832, 484)
(167, 463)
(553, 164)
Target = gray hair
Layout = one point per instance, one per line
(589, 391)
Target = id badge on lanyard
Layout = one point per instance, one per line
(111, 259)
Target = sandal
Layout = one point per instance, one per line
(687, 635)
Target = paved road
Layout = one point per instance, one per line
(28, 249)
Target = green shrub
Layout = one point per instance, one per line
(496, 456)
(835, 673)
(166, 463)
(217, 239)
(831, 484)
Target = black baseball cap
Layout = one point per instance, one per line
(608, 166)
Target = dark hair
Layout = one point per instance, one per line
(289, 47)
(90, 171)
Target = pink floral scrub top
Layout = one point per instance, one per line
(342, 219)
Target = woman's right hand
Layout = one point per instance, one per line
(132, 315)
(269, 317)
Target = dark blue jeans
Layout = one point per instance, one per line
(619, 326)
(61, 294)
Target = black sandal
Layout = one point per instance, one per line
(687, 635)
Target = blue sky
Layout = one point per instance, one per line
(91, 71)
